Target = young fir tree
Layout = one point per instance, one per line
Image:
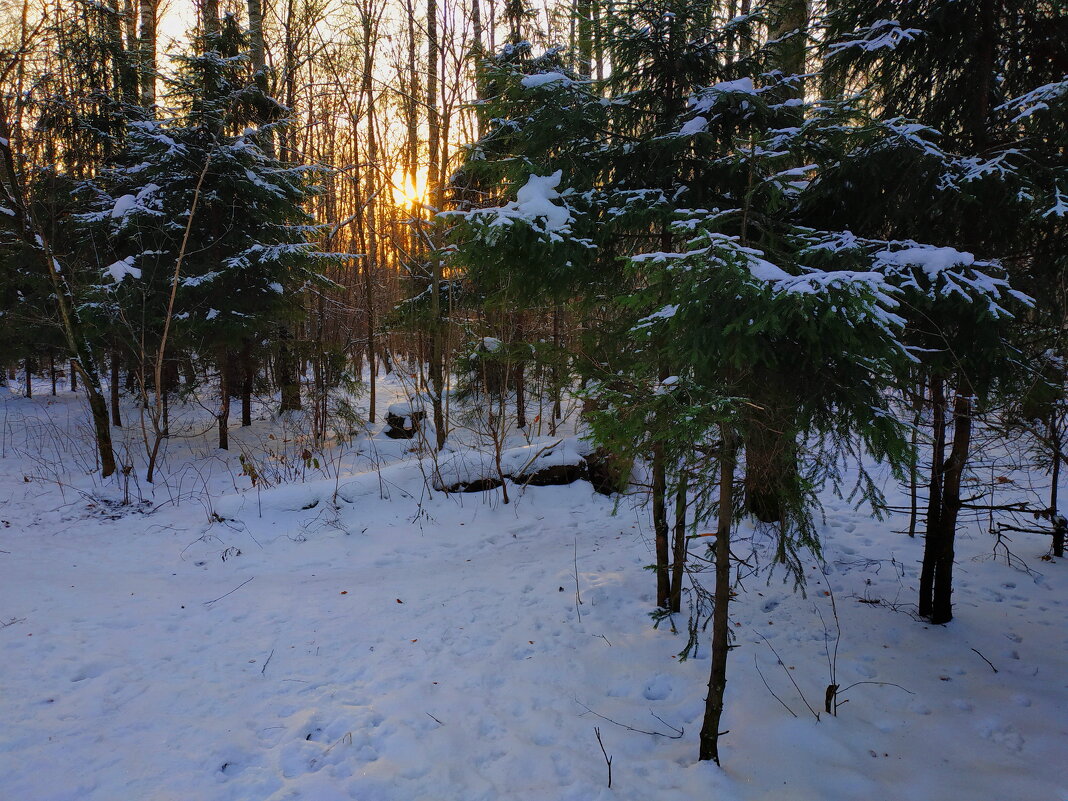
(1040, 117)
(199, 210)
(677, 202)
(946, 73)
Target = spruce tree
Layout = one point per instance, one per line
(955, 80)
(200, 187)
(675, 201)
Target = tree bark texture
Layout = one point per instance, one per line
(717, 679)
(660, 528)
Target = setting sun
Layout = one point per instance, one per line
(406, 191)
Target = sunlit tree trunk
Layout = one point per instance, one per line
(436, 366)
(147, 53)
(209, 18)
(370, 260)
(584, 37)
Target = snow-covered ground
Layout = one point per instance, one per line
(356, 636)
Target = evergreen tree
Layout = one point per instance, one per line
(956, 79)
(727, 330)
(199, 208)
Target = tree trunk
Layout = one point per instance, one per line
(248, 376)
(788, 28)
(678, 553)
(832, 78)
(29, 377)
(113, 387)
(52, 369)
(256, 50)
(288, 381)
(188, 371)
(557, 389)
(411, 101)
(436, 364)
(147, 54)
(73, 377)
(584, 43)
(660, 528)
(1058, 520)
(28, 230)
(521, 395)
(770, 460)
(371, 260)
(914, 473)
(717, 679)
(598, 41)
(985, 50)
(480, 80)
(942, 602)
(934, 496)
(224, 400)
(98, 408)
(124, 62)
(209, 19)
(520, 373)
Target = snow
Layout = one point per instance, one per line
(1037, 99)
(544, 79)
(533, 205)
(354, 636)
(121, 269)
(717, 248)
(743, 85)
(123, 206)
(127, 204)
(1060, 204)
(463, 465)
(667, 386)
(885, 34)
(707, 97)
(666, 313)
(535, 200)
(764, 270)
(694, 126)
(408, 406)
(932, 260)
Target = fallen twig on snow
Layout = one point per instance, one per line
(987, 661)
(235, 589)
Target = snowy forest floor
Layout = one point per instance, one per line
(347, 634)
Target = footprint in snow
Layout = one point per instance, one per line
(657, 689)
(91, 670)
(543, 739)
(1003, 734)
